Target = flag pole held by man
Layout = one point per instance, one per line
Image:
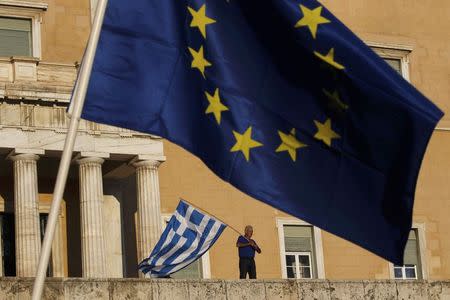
(279, 99)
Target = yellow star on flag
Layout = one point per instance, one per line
(244, 143)
(311, 18)
(290, 144)
(325, 133)
(329, 58)
(334, 97)
(215, 105)
(199, 61)
(200, 20)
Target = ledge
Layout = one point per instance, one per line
(25, 4)
(81, 288)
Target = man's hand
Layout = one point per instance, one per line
(254, 245)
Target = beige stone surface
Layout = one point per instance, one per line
(245, 290)
(80, 289)
(87, 289)
(7, 291)
(380, 290)
(208, 290)
(113, 236)
(135, 290)
(287, 289)
(413, 290)
(347, 290)
(314, 290)
(170, 289)
(445, 291)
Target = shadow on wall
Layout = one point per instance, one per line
(72, 196)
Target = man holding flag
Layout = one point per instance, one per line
(247, 248)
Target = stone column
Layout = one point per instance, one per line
(91, 210)
(26, 214)
(148, 207)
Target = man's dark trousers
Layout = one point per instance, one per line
(247, 265)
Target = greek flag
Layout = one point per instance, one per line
(188, 235)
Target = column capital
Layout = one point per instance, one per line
(149, 163)
(25, 154)
(26, 157)
(89, 160)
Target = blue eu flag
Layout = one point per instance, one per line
(279, 99)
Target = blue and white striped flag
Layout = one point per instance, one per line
(188, 235)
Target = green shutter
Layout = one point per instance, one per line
(15, 37)
(396, 64)
(297, 238)
(411, 253)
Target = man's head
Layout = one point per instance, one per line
(248, 231)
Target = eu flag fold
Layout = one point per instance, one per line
(278, 98)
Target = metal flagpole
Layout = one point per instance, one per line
(61, 178)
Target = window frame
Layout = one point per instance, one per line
(403, 269)
(205, 260)
(421, 249)
(297, 264)
(318, 264)
(394, 51)
(30, 11)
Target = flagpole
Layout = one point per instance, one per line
(78, 101)
(208, 213)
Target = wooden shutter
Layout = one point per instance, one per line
(396, 64)
(411, 253)
(15, 37)
(297, 238)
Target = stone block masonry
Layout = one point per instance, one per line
(161, 289)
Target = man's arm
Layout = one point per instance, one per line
(242, 243)
(255, 246)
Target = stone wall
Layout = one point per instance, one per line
(77, 288)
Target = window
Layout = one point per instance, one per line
(397, 56)
(199, 269)
(412, 267)
(15, 37)
(300, 249)
(20, 28)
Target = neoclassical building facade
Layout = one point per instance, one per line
(123, 185)
(33, 123)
